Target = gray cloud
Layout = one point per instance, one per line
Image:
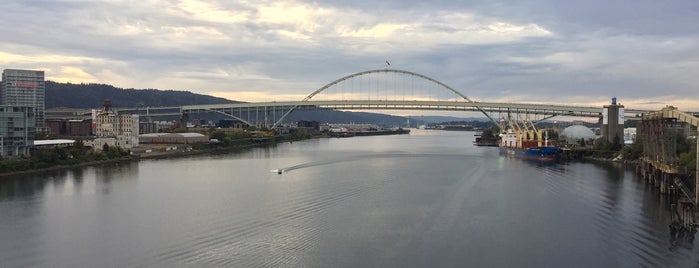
(535, 51)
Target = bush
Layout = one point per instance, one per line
(688, 160)
(603, 148)
(633, 151)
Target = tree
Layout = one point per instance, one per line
(218, 134)
(603, 148)
(688, 159)
(633, 151)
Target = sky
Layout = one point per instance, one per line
(644, 52)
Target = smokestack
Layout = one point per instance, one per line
(107, 104)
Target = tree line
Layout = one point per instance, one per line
(92, 95)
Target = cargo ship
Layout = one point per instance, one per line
(528, 144)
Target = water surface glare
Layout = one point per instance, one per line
(428, 199)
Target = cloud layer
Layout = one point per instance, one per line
(542, 51)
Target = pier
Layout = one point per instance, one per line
(660, 165)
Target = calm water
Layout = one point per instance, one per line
(428, 199)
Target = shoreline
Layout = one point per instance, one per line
(215, 150)
(64, 167)
(136, 158)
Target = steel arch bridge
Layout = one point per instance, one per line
(394, 90)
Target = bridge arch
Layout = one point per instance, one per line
(307, 98)
(386, 71)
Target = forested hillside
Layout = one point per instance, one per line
(91, 96)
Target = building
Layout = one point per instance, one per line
(17, 129)
(124, 128)
(174, 138)
(24, 88)
(313, 125)
(50, 144)
(70, 128)
(613, 123)
(99, 143)
(147, 127)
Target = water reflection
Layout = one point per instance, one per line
(409, 201)
(69, 181)
(21, 187)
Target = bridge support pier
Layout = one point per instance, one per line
(665, 184)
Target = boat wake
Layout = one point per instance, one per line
(360, 157)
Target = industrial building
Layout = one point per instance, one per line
(173, 138)
(613, 123)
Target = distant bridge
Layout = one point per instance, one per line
(382, 89)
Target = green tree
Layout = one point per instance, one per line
(633, 151)
(114, 152)
(218, 134)
(240, 134)
(603, 148)
(688, 159)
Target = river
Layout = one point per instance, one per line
(428, 199)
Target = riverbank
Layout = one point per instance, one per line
(63, 167)
(182, 150)
(184, 153)
(151, 155)
(347, 134)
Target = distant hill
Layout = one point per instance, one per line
(92, 95)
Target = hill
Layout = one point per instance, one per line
(91, 96)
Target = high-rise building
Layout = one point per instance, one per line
(24, 88)
(16, 130)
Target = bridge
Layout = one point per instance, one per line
(381, 89)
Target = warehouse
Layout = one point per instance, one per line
(173, 138)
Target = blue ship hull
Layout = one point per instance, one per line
(542, 153)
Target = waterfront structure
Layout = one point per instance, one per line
(124, 128)
(173, 138)
(659, 163)
(50, 144)
(24, 88)
(613, 123)
(17, 128)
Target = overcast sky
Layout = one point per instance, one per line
(644, 52)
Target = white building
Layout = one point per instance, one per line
(123, 128)
(629, 135)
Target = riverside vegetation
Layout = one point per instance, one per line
(79, 154)
(62, 156)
